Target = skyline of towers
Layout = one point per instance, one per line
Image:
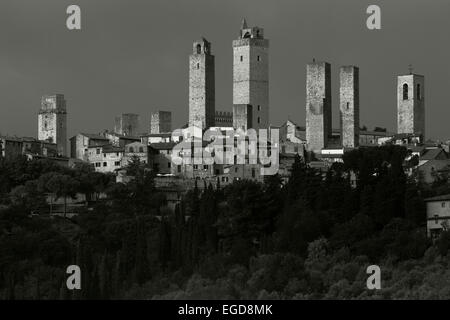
(201, 86)
(411, 104)
(52, 121)
(251, 73)
(349, 106)
(318, 105)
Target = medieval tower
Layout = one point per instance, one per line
(349, 106)
(201, 86)
(52, 122)
(318, 105)
(251, 74)
(411, 104)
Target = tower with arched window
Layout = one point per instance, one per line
(52, 121)
(411, 104)
(201, 85)
(349, 105)
(251, 73)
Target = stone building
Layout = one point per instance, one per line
(318, 105)
(438, 215)
(52, 121)
(411, 104)
(160, 122)
(127, 124)
(201, 86)
(10, 147)
(106, 158)
(136, 150)
(242, 116)
(349, 106)
(80, 143)
(251, 73)
(223, 119)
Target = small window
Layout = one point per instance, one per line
(141, 149)
(169, 165)
(258, 58)
(105, 164)
(199, 49)
(348, 105)
(236, 170)
(242, 58)
(179, 168)
(104, 155)
(198, 65)
(117, 163)
(195, 166)
(253, 172)
(259, 107)
(443, 204)
(98, 151)
(131, 149)
(436, 219)
(259, 120)
(405, 91)
(205, 167)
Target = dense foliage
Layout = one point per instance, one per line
(311, 238)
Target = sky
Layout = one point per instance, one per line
(131, 56)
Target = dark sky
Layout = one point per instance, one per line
(132, 56)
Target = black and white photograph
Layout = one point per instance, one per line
(240, 152)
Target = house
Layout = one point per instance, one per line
(80, 143)
(438, 215)
(136, 149)
(106, 158)
(10, 147)
(433, 169)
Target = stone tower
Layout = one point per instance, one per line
(411, 104)
(52, 121)
(349, 106)
(251, 73)
(127, 124)
(161, 122)
(201, 86)
(318, 105)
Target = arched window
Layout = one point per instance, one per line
(419, 96)
(131, 149)
(405, 92)
(141, 149)
(199, 49)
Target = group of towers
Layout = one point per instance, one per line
(250, 81)
(251, 97)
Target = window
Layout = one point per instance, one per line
(179, 168)
(199, 49)
(195, 166)
(141, 149)
(169, 165)
(98, 164)
(259, 120)
(236, 170)
(105, 164)
(131, 149)
(253, 172)
(443, 204)
(405, 92)
(117, 163)
(436, 219)
(198, 65)
(242, 58)
(98, 151)
(259, 107)
(348, 105)
(205, 167)
(258, 58)
(419, 96)
(104, 155)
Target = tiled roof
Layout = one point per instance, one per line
(439, 198)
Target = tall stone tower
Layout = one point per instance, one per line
(411, 104)
(127, 124)
(349, 106)
(52, 121)
(161, 122)
(251, 73)
(201, 86)
(318, 105)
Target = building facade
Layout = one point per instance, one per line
(52, 121)
(411, 104)
(160, 122)
(318, 105)
(349, 106)
(201, 86)
(251, 73)
(127, 124)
